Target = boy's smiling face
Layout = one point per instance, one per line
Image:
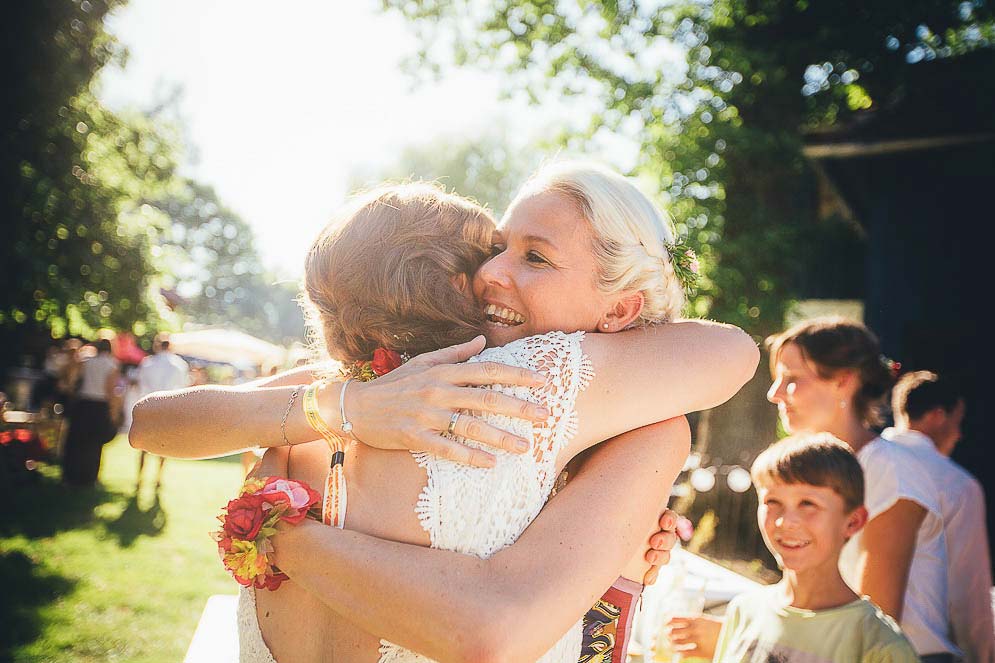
(805, 526)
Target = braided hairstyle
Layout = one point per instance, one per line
(385, 273)
(630, 234)
(834, 344)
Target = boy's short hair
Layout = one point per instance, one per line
(919, 392)
(818, 459)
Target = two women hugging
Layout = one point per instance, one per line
(452, 548)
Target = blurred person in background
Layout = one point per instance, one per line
(45, 393)
(928, 411)
(162, 371)
(68, 380)
(829, 376)
(91, 425)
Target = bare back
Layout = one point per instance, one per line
(383, 488)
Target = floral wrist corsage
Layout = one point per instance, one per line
(249, 521)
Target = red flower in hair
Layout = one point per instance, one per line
(384, 361)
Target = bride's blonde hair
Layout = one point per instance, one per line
(385, 273)
(631, 234)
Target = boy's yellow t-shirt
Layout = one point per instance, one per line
(758, 630)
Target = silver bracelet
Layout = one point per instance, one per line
(290, 406)
(346, 424)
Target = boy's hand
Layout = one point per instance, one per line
(660, 545)
(695, 636)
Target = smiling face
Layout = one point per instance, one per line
(805, 526)
(542, 275)
(806, 402)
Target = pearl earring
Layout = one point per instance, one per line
(842, 404)
(604, 325)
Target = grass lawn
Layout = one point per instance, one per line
(104, 574)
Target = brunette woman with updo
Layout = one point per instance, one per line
(829, 375)
(578, 287)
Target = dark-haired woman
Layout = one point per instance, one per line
(829, 376)
(91, 426)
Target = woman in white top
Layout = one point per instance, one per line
(829, 376)
(545, 274)
(90, 423)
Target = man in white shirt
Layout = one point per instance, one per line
(161, 371)
(928, 412)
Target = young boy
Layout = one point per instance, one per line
(811, 493)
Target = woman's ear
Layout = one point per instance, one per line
(623, 312)
(847, 382)
(462, 283)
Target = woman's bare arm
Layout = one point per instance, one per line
(652, 374)
(210, 421)
(888, 545)
(642, 376)
(454, 607)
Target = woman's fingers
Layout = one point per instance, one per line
(663, 541)
(486, 373)
(651, 575)
(491, 402)
(456, 452)
(657, 557)
(472, 428)
(668, 521)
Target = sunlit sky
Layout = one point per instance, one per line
(282, 102)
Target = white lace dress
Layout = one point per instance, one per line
(478, 511)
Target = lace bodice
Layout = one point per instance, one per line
(478, 511)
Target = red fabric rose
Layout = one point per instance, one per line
(245, 517)
(384, 361)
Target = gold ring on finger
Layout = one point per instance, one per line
(452, 423)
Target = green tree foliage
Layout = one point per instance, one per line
(96, 222)
(721, 126)
(488, 169)
(71, 168)
(211, 270)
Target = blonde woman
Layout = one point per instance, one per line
(581, 250)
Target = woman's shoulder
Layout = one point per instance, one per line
(892, 472)
(556, 353)
(884, 456)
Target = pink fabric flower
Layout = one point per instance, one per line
(297, 495)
